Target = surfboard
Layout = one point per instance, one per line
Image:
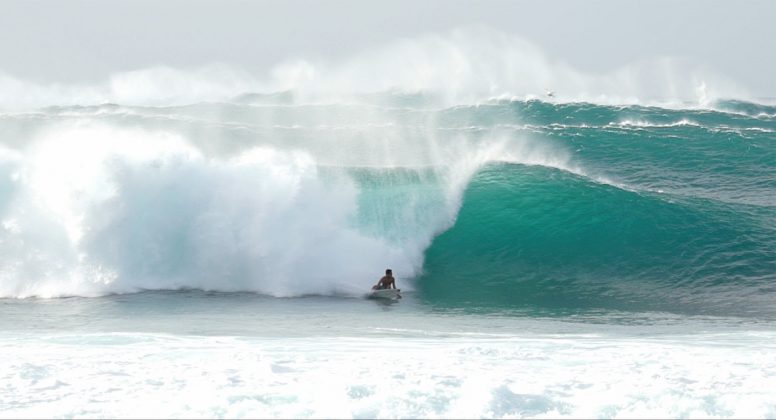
(385, 294)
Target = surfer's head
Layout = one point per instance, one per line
(388, 272)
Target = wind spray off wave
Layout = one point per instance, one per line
(465, 66)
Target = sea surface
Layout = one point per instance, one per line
(557, 258)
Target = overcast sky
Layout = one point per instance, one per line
(85, 41)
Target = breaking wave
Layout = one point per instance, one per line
(431, 156)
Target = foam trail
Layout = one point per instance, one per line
(560, 376)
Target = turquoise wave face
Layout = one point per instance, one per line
(505, 203)
(676, 212)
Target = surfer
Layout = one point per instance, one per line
(386, 282)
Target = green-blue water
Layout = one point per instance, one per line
(678, 215)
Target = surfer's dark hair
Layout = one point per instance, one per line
(388, 271)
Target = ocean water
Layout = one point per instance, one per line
(207, 354)
(558, 257)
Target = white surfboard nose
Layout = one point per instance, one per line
(385, 294)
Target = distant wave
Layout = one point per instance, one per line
(465, 66)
